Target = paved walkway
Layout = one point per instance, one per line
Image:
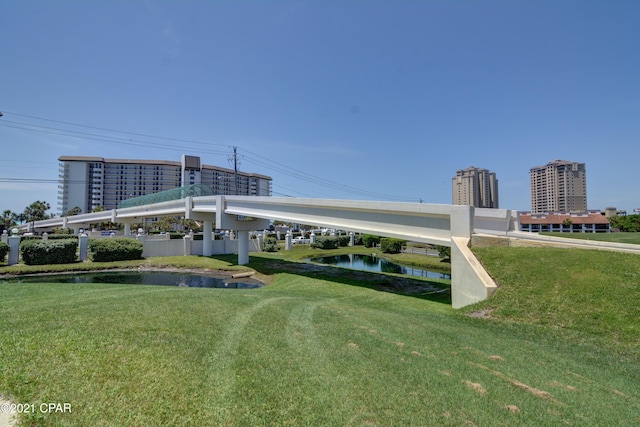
(518, 238)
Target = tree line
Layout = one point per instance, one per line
(36, 211)
(628, 223)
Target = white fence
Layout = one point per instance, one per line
(155, 245)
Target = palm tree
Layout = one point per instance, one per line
(9, 219)
(36, 212)
(74, 211)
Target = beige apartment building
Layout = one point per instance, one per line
(89, 182)
(559, 186)
(475, 187)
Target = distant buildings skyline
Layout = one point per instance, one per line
(476, 187)
(89, 182)
(559, 186)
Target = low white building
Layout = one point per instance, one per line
(564, 222)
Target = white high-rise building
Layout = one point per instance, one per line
(89, 182)
(475, 187)
(559, 186)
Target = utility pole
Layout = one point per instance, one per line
(235, 168)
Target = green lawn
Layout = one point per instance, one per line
(556, 345)
(632, 238)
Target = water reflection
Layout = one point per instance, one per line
(379, 265)
(158, 278)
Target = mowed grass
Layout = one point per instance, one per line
(587, 291)
(324, 349)
(631, 238)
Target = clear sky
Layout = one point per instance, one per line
(378, 100)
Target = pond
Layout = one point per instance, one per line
(158, 278)
(378, 265)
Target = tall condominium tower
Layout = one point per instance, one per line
(89, 182)
(475, 187)
(559, 186)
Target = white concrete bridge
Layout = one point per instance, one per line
(446, 225)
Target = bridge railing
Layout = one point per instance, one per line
(494, 221)
(172, 207)
(428, 223)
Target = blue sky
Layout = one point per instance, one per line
(378, 100)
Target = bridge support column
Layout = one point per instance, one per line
(127, 229)
(243, 247)
(207, 238)
(470, 283)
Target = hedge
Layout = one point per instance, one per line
(444, 251)
(343, 240)
(326, 242)
(391, 246)
(40, 252)
(271, 244)
(370, 240)
(114, 249)
(61, 237)
(4, 250)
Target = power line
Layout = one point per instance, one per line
(96, 137)
(286, 170)
(38, 181)
(251, 157)
(114, 130)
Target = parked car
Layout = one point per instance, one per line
(300, 241)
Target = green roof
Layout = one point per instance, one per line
(193, 190)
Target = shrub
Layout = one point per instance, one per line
(326, 242)
(4, 250)
(444, 251)
(61, 230)
(62, 237)
(370, 241)
(271, 244)
(391, 246)
(40, 252)
(114, 249)
(343, 240)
